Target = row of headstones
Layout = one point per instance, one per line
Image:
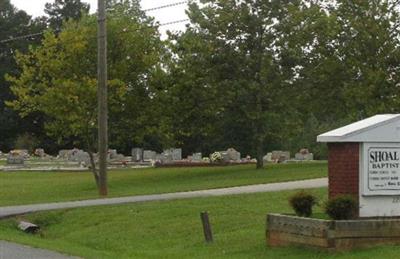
(175, 154)
(78, 155)
(17, 157)
(169, 155)
(282, 156)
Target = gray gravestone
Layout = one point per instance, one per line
(197, 157)
(304, 154)
(175, 153)
(77, 155)
(149, 155)
(113, 154)
(159, 157)
(63, 154)
(280, 156)
(137, 154)
(233, 155)
(268, 158)
(225, 156)
(40, 152)
(166, 158)
(15, 159)
(22, 152)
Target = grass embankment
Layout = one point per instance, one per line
(173, 230)
(38, 187)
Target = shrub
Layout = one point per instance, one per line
(302, 203)
(26, 141)
(341, 207)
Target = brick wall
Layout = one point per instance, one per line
(343, 169)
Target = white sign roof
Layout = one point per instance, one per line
(378, 128)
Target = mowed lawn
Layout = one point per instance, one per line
(38, 187)
(172, 229)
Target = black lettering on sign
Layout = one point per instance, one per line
(382, 156)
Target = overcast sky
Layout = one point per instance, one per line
(36, 7)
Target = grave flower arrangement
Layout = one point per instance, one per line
(216, 157)
(206, 159)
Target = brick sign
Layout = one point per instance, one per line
(364, 162)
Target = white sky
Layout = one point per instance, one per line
(36, 7)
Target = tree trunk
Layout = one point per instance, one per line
(94, 170)
(260, 154)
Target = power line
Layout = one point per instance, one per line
(146, 10)
(174, 22)
(165, 6)
(124, 31)
(22, 37)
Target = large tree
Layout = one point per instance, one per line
(59, 79)
(276, 73)
(15, 23)
(349, 66)
(369, 49)
(238, 57)
(64, 10)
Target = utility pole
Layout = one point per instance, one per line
(102, 97)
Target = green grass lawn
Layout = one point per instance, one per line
(38, 187)
(173, 230)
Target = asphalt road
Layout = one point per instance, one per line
(270, 187)
(14, 251)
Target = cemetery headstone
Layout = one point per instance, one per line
(77, 155)
(63, 154)
(22, 152)
(149, 155)
(225, 156)
(233, 155)
(39, 152)
(113, 154)
(175, 153)
(167, 158)
(304, 154)
(197, 157)
(280, 156)
(159, 157)
(137, 154)
(268, 158)
(15, 158)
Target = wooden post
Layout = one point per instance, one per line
(102, 97)
(206, 227)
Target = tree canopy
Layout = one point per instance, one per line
(254, 75)
(61, 11)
